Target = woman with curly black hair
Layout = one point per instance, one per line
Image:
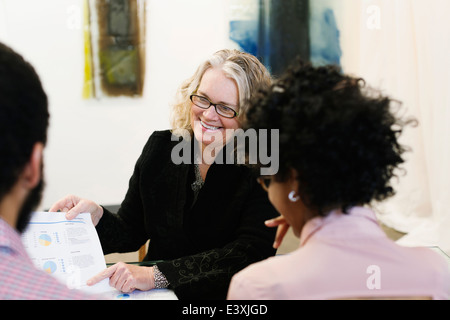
(338, 151)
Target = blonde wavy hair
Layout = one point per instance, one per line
(245, 69)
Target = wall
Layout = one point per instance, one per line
(93, 145)
(401, 47)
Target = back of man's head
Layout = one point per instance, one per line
(24, 115)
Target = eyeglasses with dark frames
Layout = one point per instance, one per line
(204, 103)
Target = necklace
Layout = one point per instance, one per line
(198, 182)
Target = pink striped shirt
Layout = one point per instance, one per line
(345, 256)
(20, 280)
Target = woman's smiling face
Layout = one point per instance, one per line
(208, 126)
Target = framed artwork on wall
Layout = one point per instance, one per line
(114, 42)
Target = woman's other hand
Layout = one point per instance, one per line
(74, 205)
(283, 227)
(126, 277)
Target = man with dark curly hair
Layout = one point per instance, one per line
(24, 120)
(338, 152)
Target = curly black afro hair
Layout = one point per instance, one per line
(340, 137)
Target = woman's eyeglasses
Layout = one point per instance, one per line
(204, 103)
(264, 182)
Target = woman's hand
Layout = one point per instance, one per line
(74, 205)
(283, 227)
(126, 277)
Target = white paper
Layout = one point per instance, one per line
(155, 294)
(69, 250)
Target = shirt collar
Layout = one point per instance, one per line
(317, 223)
(10, 238)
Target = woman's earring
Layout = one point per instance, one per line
(292, 197)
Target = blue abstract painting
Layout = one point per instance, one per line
(245, 34)
(305, 28)
(325, 45)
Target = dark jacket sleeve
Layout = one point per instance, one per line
(206, 275)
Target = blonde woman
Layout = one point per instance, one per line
(205, 220)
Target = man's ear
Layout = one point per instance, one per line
(32, 172)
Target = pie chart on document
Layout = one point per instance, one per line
(45, 240)
(49, 267)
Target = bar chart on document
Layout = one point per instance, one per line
(67, 249)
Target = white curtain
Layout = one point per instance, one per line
(404, 50)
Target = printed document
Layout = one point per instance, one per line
(70, 250)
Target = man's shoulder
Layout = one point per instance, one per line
(21, 280)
